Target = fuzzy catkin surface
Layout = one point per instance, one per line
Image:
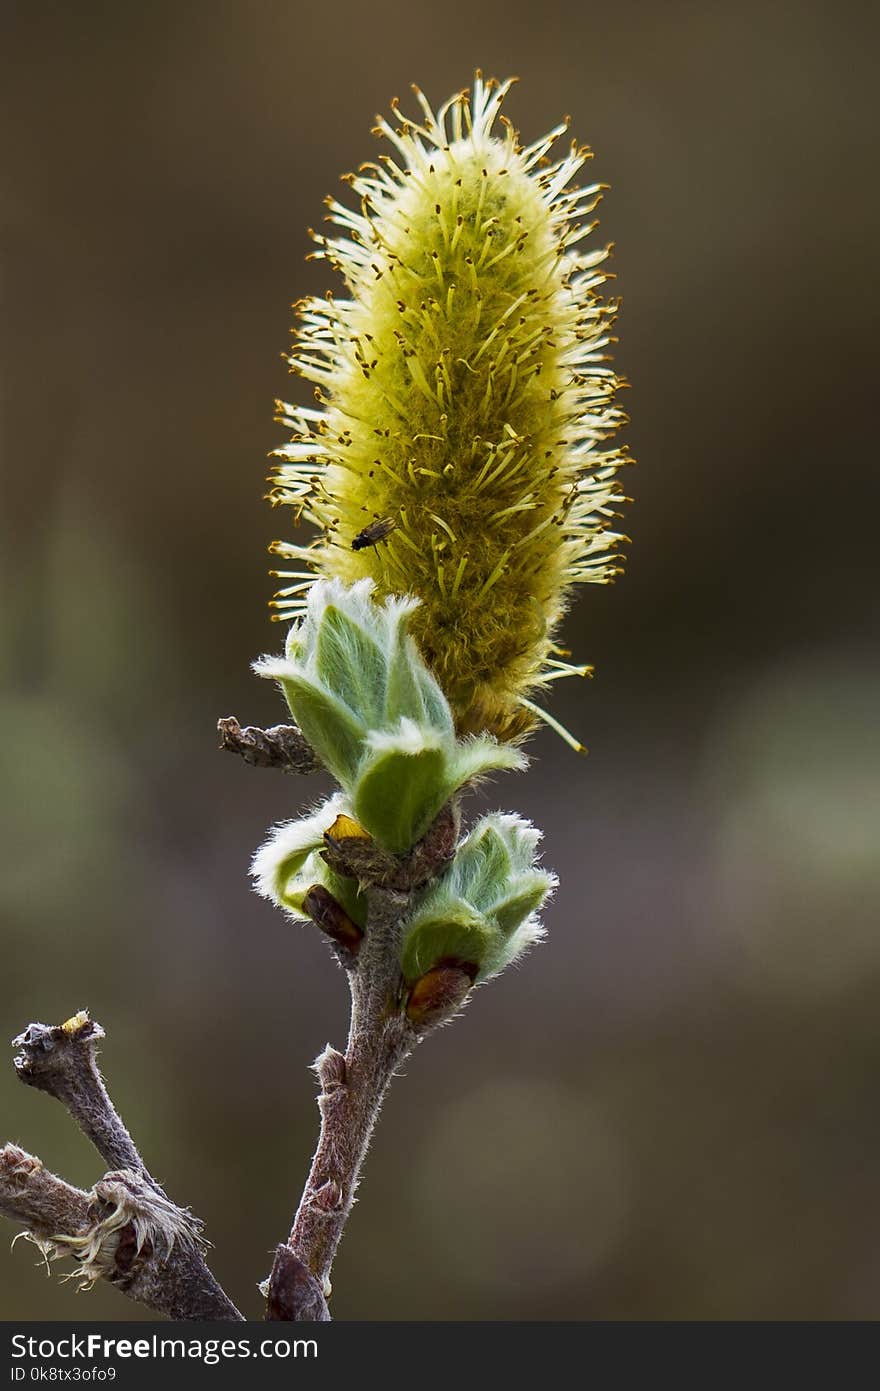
(463, 393)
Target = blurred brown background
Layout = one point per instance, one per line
(670, 1110)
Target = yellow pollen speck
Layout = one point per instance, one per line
(76, 1022)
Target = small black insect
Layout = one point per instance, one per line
(373, 534)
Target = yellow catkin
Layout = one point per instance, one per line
(458, 446)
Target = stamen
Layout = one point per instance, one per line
(555, 725)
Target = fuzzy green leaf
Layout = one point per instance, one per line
(293, 881)
(482, 866)
(398, 793)
(332, 730)
(526, 936)
(437, 707)
(458, 934)
(346, 892)
(350, 664)
(491, 893)
(290, 855)
(523, 898)
(404, 697)
(481, 754)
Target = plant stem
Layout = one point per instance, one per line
(151, 1253)
(60, 1060)
(63, 1064)
(38, 1199)
(352, 1089)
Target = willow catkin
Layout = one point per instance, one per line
(458, 448)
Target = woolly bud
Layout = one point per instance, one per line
(290, 867)
(481, 914)
(331, 917)
(439, 994)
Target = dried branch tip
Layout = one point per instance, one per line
(47, 1050)
(283, 746)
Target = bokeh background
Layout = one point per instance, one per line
(670, 1110)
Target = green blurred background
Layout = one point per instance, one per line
(670, 1110)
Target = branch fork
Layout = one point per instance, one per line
(125, 1229)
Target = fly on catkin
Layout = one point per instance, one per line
(458, 448)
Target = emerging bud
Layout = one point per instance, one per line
(482, 911)
(332, 918)
(438, 994)
(375, 715)
(464, 400)
(290, 869)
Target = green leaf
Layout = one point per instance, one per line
(474, 757)
(404, 696)
(509, 948)
(459, 934)
(293, 879)
(490, 895)
(437, 707)
(287, 869)
(329, 726)
(351, 665)
(346, 892)
(398, 793)
(524, 897)
(290, 851)
(482, 866)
